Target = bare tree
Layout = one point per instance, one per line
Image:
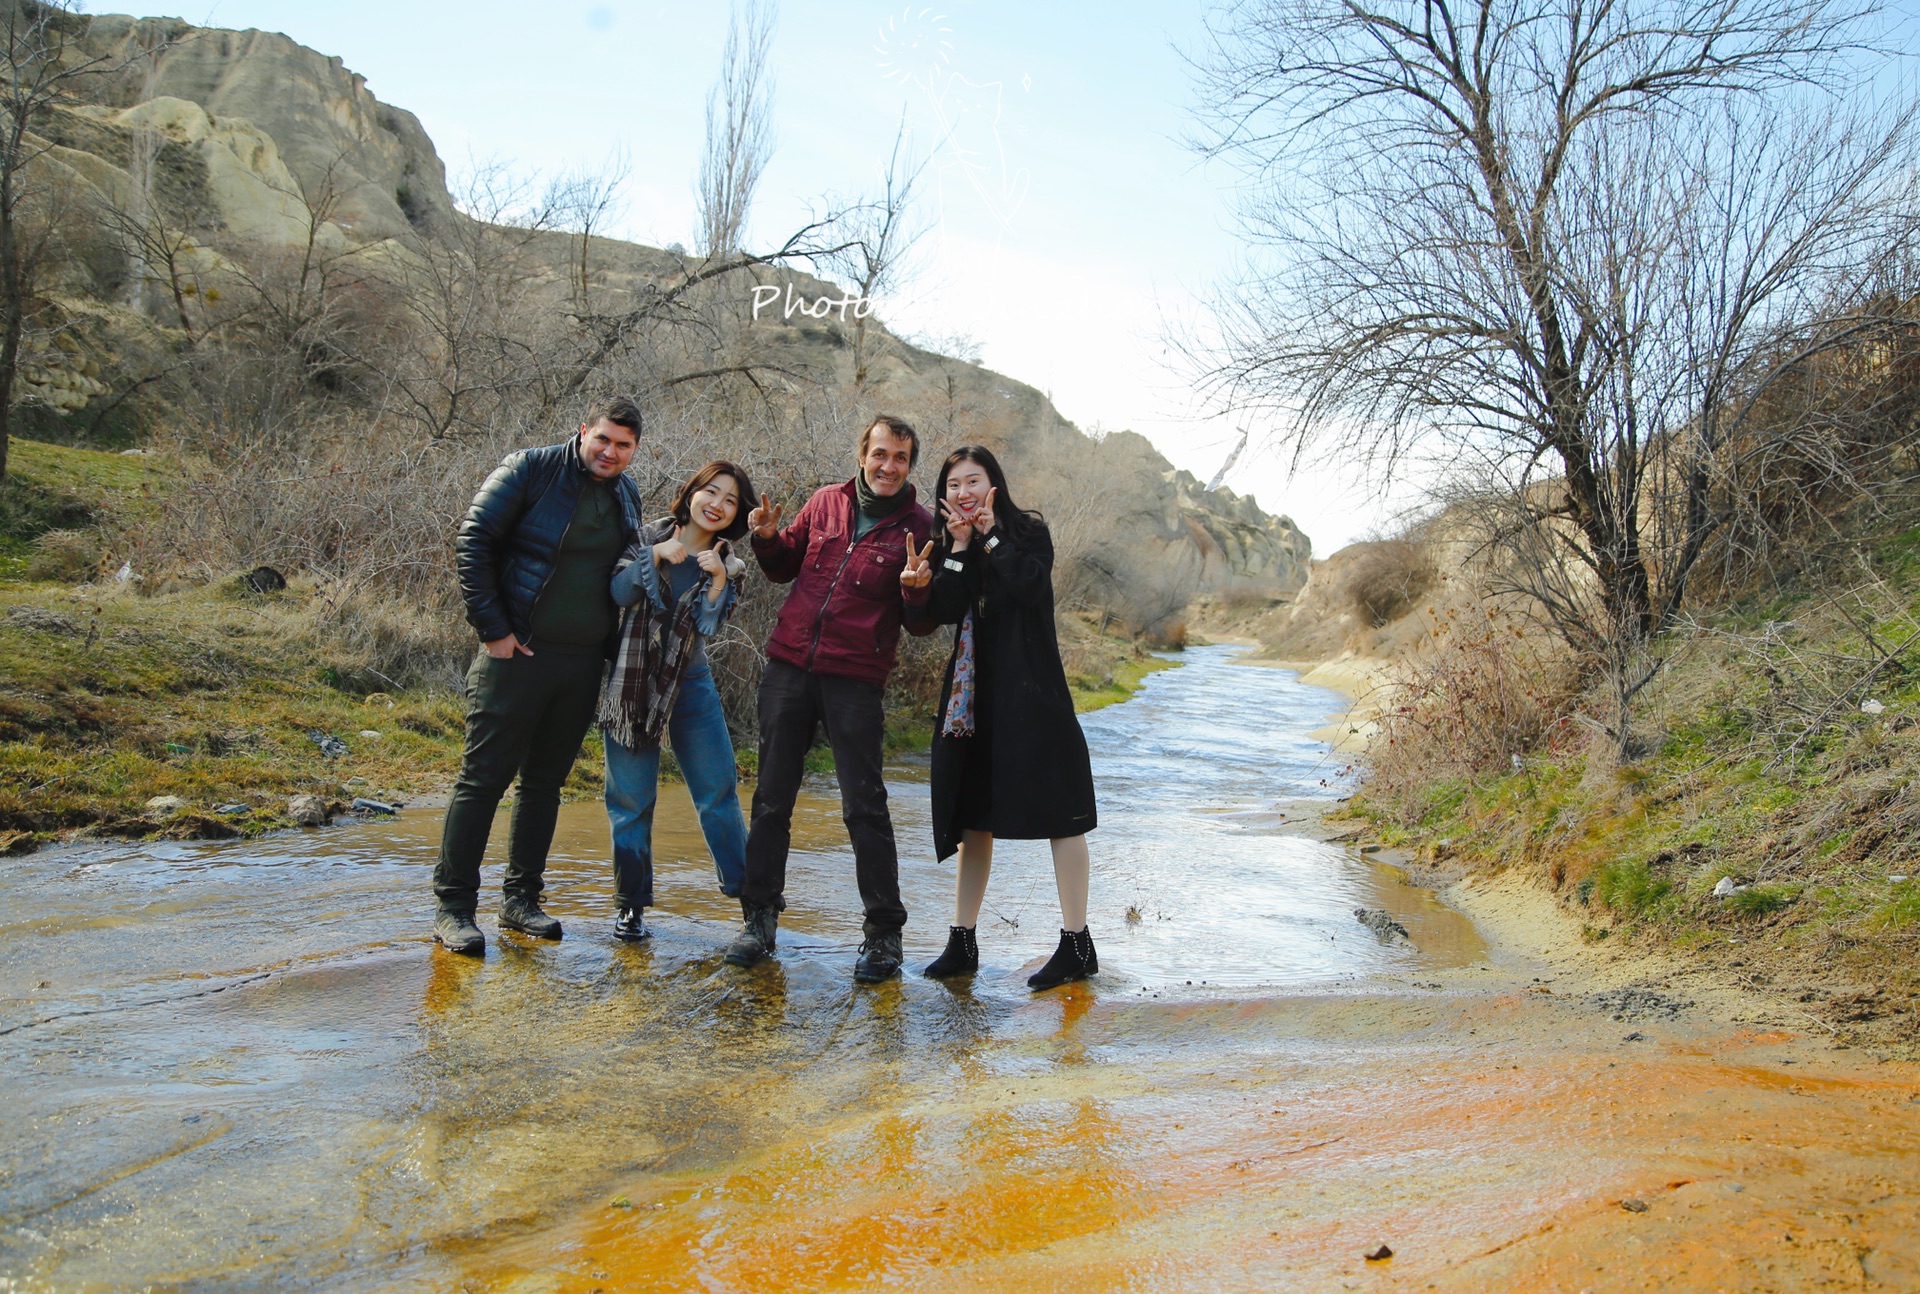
(882, 232)
(1567, 241)
(739, 129)
(584, 202)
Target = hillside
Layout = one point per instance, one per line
(235, 150)
(1764, 827)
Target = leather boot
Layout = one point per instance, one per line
(879, 958)
(458, 933)
(518, 912)
(1073, 959)
(755, 942)
(962, 956)
(631, 925)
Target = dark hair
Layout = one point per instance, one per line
(895, 426)
(1018, 522)
(683, 501)
(618, 409)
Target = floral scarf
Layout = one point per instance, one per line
(959, 721)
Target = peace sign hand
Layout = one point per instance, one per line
(765, 520)
(918, 572)
(959, 528)
(983, 521)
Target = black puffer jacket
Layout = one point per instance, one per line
(511, 534)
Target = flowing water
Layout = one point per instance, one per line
(240, 1065)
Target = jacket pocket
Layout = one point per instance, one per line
(877, 574)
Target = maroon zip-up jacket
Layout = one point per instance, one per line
(844, 614)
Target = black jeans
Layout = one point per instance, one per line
(793, 704)
(526, 715)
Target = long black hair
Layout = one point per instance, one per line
(719, 467)
(1018, 522)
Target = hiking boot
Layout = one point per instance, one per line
(631, 925)
(523, 914)
(1073, 959)
(456, 931)
(754, 944)
(962, 956)
(879, 958)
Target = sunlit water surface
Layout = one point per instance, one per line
(239, 1062)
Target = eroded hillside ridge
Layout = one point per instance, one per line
(244, 127)
(309, 110)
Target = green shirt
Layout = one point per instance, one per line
(575, 610)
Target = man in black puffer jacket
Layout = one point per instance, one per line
(535, 555)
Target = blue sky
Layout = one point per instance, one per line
(1071, 227)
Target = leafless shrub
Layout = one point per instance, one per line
(1389, 579)
(66, 556)
(1484, 696)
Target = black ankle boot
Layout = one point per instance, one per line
(962, 956)
(1073, 959)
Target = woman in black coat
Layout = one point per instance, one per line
(1009, 759)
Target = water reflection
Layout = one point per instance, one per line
(242, 1062)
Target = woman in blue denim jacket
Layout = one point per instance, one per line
(679, 584)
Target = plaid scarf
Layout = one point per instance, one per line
(655, 645)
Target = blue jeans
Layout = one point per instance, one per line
(704, 750)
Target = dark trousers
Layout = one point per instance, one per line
(526, 717)
(793, 704)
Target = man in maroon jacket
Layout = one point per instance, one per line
(856, 556)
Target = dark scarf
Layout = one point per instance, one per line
(873, 506)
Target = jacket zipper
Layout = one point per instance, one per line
(820, 621)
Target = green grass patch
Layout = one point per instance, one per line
(1902, 911)
(1762, 900)
(1128, 677)
(1630, 887)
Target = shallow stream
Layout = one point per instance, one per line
(241, 1065)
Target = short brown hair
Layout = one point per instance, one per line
(618, 409)
(896, 426)
(719, 467)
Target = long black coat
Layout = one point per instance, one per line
(1042, 779)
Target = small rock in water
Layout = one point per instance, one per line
(331, 747)
(1384, 927)
(1635, 1036)
(363, 805)
(308, 810)
(1370, 849)
(1634, 1206)
(1379, 1255)
(166, 804)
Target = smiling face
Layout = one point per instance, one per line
(606, 448)
(714, 505)
(967, 486)
(887, 461)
